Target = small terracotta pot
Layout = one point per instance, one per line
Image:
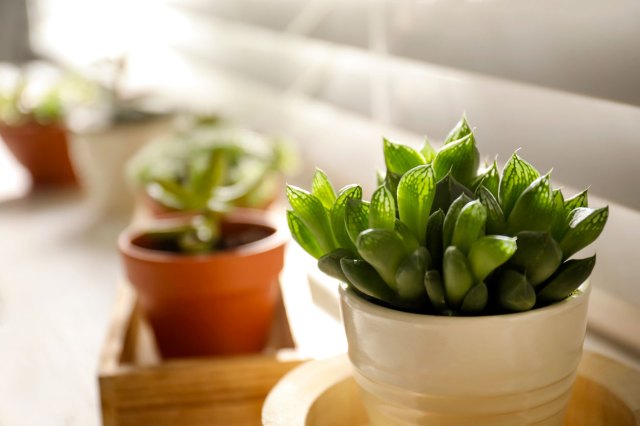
(42, 149)
(211, 304)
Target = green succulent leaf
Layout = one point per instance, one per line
(205, 179)
(399, 158)
(487, 253)
(559, 223)
(384, 250)
(434, 237)
(351, 192)
(567, 279)
(356, 218)
(460, 158)
(406, 236)
(490, 179)
(169, 193)
(537, 257)
(366, 280)
(410, 274)
(435, 290)
(585, 225)
(460, 130)
(330, 263)
(303, 235)
(382, 212)
(427, 151)
(476, 299)
(458, 278)
(447, 190)
(380, 177)
(577, 201)
(516, 177)
(495, 218)
(514, 292)
(391, 182)
(470, 225)
(451, 218)
(534, 209)
(321, 187)
(415, 196)
(313, 214)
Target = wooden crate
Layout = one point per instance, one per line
(138, 388)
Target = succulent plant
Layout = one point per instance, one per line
(207, 171)
(441, 237)
(41, 93)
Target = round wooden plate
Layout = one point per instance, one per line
(323, 393)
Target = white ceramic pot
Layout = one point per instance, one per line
(514, 369)
(100, 158)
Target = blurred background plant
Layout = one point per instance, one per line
(43, 93)
(205, 170)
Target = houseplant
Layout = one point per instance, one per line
(32, 122)
(459, 298)
(206, 278)
(256, 164)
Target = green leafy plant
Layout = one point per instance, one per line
(40, 93)
(440, 236)
(206, 171)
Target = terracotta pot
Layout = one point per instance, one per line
(42, 149)
(212, 304)
(497, 370)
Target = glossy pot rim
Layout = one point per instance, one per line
(356, 302)
(271, 242)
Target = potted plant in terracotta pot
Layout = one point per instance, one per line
(461, 301)
(206, 278)
(32, 123)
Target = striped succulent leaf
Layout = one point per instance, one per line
(322, 189)
(516, 177)
(312, 213)
(585, 225)
(567, 279)
(382, 212)
(490, 179)
(356, 218)
(303, 235)
(534, 208)
(460, 158)
(460, 130)
(496, 223)
(416, 191)
(351, 192)
(399, 159)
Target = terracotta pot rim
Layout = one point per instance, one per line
(357, 302)
(247, 216)
(33, 123)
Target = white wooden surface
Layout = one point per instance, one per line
(58, 272)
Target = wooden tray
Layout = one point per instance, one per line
(323, 393)
(137, 388)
